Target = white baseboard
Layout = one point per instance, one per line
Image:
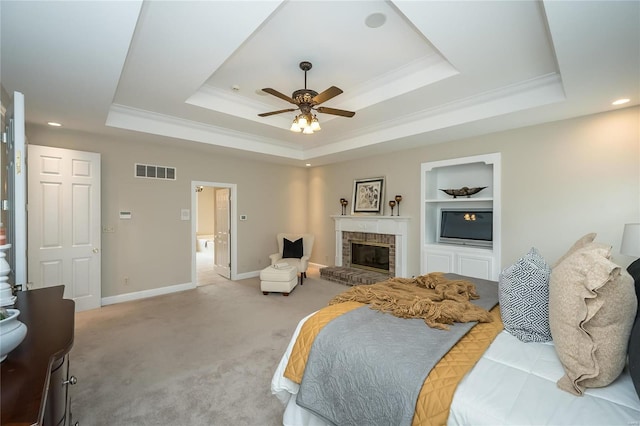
(245, 275)
(127, 297)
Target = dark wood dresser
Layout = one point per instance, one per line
(34, 378)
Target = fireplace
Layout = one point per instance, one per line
(369, 251)
(388, 231)
(370, 256)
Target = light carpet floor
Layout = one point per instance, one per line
(206, 273)
(198, 357)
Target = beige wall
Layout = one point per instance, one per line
(154, 248)
(206, 212)
(559, 181)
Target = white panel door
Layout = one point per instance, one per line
(222, 262)
(64, 223)
(17, 191)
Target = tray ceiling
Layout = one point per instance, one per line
(432, 72)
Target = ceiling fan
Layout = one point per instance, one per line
(307, 101)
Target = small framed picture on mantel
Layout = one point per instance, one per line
(367, 196)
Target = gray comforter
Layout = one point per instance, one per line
(367, 367)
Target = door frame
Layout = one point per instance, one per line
(16, 216)
(233, 188)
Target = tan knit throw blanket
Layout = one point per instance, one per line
(436, 299)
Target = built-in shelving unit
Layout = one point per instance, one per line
(475, 171)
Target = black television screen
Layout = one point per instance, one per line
(473, 227)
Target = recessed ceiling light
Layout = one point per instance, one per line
(308, 164)
(620, 101)
(375, 20)
(54, 124)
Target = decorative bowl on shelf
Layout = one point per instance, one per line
(462, 192)
(12, 333)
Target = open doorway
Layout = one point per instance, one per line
(213, 232)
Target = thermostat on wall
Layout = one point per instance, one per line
(125, 215)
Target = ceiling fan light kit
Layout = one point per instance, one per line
(307, 100)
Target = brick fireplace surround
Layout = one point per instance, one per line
(390, 230)
(368, 237)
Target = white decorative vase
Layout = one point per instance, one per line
(12, 333)
(6, 294)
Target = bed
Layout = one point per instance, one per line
(518, 382)
(510, 383)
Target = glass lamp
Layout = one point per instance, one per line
(315, 124)
(294, 126)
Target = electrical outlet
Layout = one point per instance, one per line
(126, 280)
(108, 229)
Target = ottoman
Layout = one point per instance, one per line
(281, 279)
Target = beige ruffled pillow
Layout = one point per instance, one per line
(592, 306)
(582, 242)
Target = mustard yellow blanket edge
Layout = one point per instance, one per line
(436, 395)
(310, 329)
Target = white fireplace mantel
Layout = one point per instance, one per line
(393, 225)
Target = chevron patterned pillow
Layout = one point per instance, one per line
(524, 298)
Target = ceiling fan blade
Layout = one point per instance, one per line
(279, 95)
(266, 114)
(334, 111)
(331, 92)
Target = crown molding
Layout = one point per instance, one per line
(139, 120)
(531, 93)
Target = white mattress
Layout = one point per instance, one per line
(514, 383)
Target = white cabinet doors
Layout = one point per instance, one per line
(477, 263)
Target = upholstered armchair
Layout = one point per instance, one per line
(294, 252)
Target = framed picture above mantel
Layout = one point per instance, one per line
(368, 196)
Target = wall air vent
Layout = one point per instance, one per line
(154, 172)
